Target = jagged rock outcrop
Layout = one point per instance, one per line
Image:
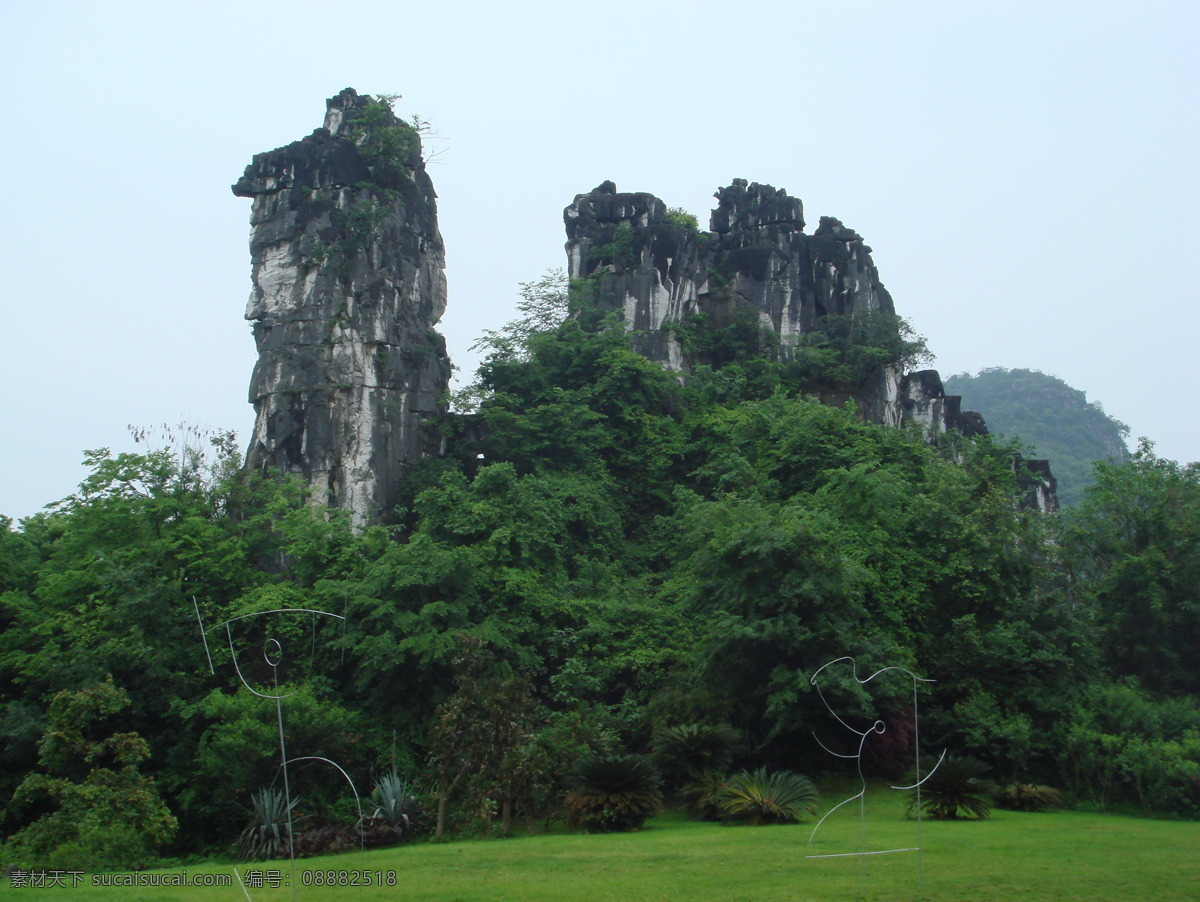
(925, 402)
(1038, 484)
(660, 270)
(927, 405)
(348, 283)
(629, 252)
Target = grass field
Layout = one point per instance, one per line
(1060, 856)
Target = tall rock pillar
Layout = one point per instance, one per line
(348, 283)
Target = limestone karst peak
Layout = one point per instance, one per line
(348, 283)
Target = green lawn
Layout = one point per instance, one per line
(1066, 855)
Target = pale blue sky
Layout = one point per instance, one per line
(1026, 173)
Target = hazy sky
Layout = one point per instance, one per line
(1025, 172)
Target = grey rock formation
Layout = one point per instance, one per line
(926, 403)
(348, 283)
(1038, 484)
(630, 253)
(637, 257)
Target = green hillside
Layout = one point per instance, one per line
(1044, 412)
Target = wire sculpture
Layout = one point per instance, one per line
(876, 728)
(273, 654)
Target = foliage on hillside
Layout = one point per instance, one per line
(1044, 412)
(607, 553)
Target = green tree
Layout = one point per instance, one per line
(543, 307)
(1135, 562)
(849, 351)
(237, 753)
(477, 737)
(1122, 744)
(104, 813)
(119, 570)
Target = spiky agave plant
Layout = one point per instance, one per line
(762, 797)
(614, 792)
(266, 836)
(956, 789)
(396, 803)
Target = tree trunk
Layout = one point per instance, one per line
(443, 795)
(506, 816)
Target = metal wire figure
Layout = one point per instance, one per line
(273, 655)
(877, 727)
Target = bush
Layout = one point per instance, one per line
(61, 842)
(1027, 797)
(614, 792)
(684, 754)
(956, 789)
(699, 796)
(847, 352)
(388, 144)
(682, 218)
(759, 797)
(239, 750)
(1125, 745)
(112, 817)
(333, 838)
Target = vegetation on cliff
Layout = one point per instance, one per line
(605, 554)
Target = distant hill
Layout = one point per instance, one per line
(1045, 412)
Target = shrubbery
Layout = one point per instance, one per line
(957, 788)
(765, 797)
(614, 792)
(270, 831)
(1028, 797)
(104, 813)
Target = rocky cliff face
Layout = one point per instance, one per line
(630, 253)
(756, 260)
(348, 283)
(1038, 483)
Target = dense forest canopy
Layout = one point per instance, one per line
(607, 553)
(1056, 421)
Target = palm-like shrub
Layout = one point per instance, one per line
(267, 834)
(686, 753)
(957, 789)
(614, 792)
(762, 797)
(1027, 797)
(699, 796)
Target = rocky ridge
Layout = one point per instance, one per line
(654, 265)
(348, 284)
(660, 270)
